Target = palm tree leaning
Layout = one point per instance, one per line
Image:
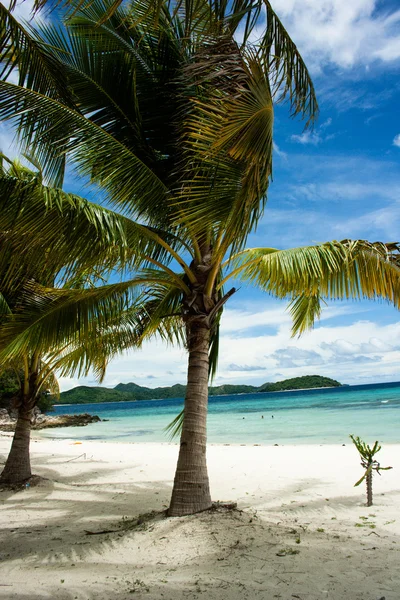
(49, 287)
(168, 108)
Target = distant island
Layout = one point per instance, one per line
(124, 392)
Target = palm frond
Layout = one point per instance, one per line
(160, 314)
(98, 62)
(49, 382)
(54, 130)
(227, 139)
(289, 75)
(46, 318)
(348, 269)
(79, 233)
(213, 353)
(174, 429)
(79, 356)
(4, 306)
(333, 270)
(305, 310)
(36, 67)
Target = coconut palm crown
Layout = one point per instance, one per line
(168, 108)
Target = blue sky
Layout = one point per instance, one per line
(340, 180)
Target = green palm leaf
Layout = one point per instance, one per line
(76, 229)
(349, 269)
(100, 157)
(44, 318)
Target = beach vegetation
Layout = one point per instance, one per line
(10, 388)
(168, 109)
(370, 464)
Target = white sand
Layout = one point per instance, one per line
(286, 495)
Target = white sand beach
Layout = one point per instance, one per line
(301, 531)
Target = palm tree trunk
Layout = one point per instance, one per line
(191, 491)
(18, 465)
(368, 480)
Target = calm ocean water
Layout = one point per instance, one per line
(305, 416)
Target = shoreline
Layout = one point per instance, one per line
(298, 514)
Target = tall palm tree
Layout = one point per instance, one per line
(168, 108)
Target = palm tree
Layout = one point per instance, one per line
(89, 325)
(168, 109)
(368, 463)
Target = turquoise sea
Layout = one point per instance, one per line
(302, 417)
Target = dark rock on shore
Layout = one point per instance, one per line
(7, 422)
(65, 421)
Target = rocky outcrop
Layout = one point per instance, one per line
(41, 421)
(65, 421)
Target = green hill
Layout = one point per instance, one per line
(300, 383)
(131, 391)
(144, 393)
(85, 395)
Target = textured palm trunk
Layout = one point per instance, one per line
(368, 480)
(191, 491)
(18, 465)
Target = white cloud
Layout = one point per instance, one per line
(279, 152)
(235, 320)
(358, 353)
(341, 32)
(292, 356)
(396, 140)
(315, 136)
(307, 137)
(383, 222)
(245, 368)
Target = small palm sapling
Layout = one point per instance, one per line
(368, 463)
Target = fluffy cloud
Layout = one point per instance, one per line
(361, 352)
(396, 140)
(344, 348)
(296, 357)
(314, 137)
(340, 32)
(245, 368)
(307, 137)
